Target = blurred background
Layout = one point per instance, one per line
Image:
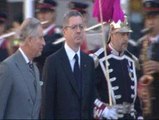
(17, 10)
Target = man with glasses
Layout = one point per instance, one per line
(81, 7)
(69, 75)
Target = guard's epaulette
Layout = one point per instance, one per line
(134, 58)
(97, 55)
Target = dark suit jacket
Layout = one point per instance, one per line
(19, 99)
(62, 98)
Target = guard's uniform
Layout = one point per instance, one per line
(51, 36)
(3, 42)
(153, 54)
(151, 10)
(123, 81)
(51, 33)
(3, 50)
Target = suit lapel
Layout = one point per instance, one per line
(67, 68)
(38, 87)
(27, 75)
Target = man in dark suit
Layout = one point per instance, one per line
(69, 75)
(46, 11)
(20, 91)
(82, 8)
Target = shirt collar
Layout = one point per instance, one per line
(154, 39)
(114, 52)
(24, 55)
(70, 53)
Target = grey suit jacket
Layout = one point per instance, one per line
(19, 98)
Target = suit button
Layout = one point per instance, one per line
(28, 100)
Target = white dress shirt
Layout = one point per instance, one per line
(70, 53)
(24, 56)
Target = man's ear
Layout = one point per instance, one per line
(30, 40)
(63, 30)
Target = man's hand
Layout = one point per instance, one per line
(102, 110)
(145, 80)
(110, 113)
(150, 67)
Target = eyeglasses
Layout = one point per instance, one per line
(75, 27)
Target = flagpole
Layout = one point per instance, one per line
(105, 54)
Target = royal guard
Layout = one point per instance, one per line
(46, 12)
(149, 58)
(122, 80)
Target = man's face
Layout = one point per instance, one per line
(37, 43)
(74, 31)
(152, 21)
(46, 16)
(120, 41)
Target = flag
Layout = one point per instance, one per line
(111, 10)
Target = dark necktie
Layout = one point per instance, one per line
(76, 71)
(31, 66)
